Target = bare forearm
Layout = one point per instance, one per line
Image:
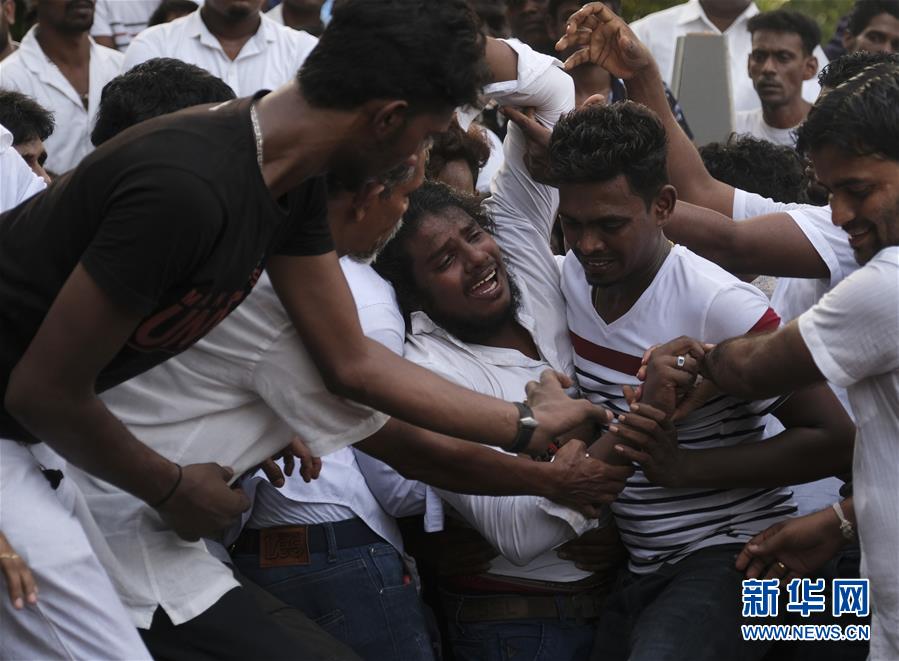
(455, 465)
(794, 456)
(685, 167)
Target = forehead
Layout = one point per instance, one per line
(776, 40)
(591, 200)
(883, 23)
(834, 166)
(435, 228)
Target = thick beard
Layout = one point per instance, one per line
(477, 330)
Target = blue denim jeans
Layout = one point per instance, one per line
(516, 640)
(687, 611)
(361, 596)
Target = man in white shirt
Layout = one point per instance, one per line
(64, 70)
(849, 338)
(781, 60)
(30, 125)
(659, 31)
(232, 40)
(299, 15)
(17, 181)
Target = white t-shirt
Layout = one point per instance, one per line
(122, 19)
(17, 181)
(269, 59)
(853, 337)
(694, 297)
(30, 71)
(659, 31)
(235, 397)
(752, 122)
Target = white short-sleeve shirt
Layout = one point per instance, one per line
(659, 31)
(752, 122)
(122, 19)
(853, 336)
(269, 59)
(30, 71)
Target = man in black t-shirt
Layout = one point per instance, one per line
(161, 232)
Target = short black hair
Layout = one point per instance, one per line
(456, 144)
(429, 53)
(843, 68)
(865, 10)
(860, 116)
(394, 263)
(787, 20)
(597, 143)
(24, 117)
(155, 87)
(758, 166)
(161, 13)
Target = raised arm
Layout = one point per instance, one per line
(607, 40)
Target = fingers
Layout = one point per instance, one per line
(311, 469)
(289, 464)
(644, 412)
(632, 454)
(533, 130)
(227, 473)
(630, 395)
(272, 472)
(19, 580)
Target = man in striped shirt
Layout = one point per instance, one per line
(627, 288)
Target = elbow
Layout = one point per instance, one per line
(23, 397)
(347, 379)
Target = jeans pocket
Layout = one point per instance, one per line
(333, 623)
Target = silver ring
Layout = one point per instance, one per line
(681, 361)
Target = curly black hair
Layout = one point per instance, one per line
(843, 68)
(860, 117)
(428, 52)
(758, 166)
(456, 144)
(597, 143)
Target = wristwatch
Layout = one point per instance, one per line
(527, 425)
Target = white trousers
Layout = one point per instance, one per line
(78, 614)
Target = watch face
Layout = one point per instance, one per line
(529, 422)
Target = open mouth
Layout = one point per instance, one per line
(487, 286)
(598, 265)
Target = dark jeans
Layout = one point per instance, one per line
(516, 640)
(362, 596)
(687, 611)
(245, 624)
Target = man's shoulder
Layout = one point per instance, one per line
(663, 17)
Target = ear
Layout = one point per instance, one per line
(364, 198)
(811, 68)
(388, 117)
(664, 204)
(9, 9)
(848, 41)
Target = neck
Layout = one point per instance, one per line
(63, 48)
(6, 47)
(226, 28)
(299, 19)
(788, 115)
(511, 335)
(722, 17)
(590, 79)
(299, 140)
(614, 301)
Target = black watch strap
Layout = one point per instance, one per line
(527, 425)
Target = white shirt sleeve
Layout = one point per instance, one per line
(853, 332)
(736, 310)
(101, 26)
(17, 181)
(516, 526)
(142, 48)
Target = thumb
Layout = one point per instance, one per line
(241, 502)
(227, 473)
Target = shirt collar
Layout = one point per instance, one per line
(197, 28)
(692, 11)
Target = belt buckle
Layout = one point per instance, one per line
(285, 546)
